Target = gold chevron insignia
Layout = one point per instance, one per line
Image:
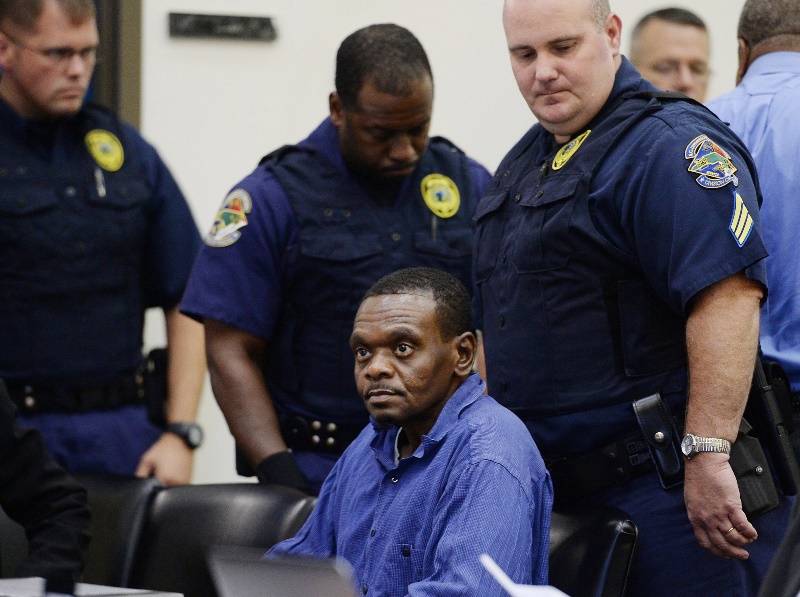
(741, 221)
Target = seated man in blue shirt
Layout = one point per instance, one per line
(443, 473)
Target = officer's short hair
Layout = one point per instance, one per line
(674, 15)
(388, 55)
(762, 19)
(25, 13)
(600, 9)
(453, 308)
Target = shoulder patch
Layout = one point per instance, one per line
(741, 220)
(441, 195)
(231, 218)
(566, 152)
(106, 149)
(711, 162)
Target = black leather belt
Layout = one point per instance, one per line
(318, 435)
(33, 398)
(616, 462)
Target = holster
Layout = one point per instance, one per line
(753, 475)
(154, 381)
(661, 437)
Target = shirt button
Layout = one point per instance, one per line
(372, 533)
(502, 321)
(517, 198)
(539, 194)
(395, 479)
(505, 258)
(395, 236)
(406, 552)
(328, 213)
(364, 589)
(70, 191)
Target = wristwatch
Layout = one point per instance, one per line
(190, 433)
(692, 444)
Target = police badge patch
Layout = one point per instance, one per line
(105, 149)
(711, 162)
(566, 152)
(741, 220)
(231, 218)
(441, 195)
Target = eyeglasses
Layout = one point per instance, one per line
(60, 57)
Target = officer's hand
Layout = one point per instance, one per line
(714, 506)
(281, 469)
(169, 460)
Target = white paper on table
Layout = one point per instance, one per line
(513, 588)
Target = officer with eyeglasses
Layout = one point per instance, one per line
(93, 231)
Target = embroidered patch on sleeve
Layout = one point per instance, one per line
(231, 218)
(711, 162)
(741, 220)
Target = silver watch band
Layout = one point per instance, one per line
(713, 444)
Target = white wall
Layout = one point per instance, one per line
(214, 107)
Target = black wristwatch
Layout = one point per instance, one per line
(190, 433)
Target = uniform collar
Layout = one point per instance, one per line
(627, 81)
(467, 393)
(325, 139)
(774, 62)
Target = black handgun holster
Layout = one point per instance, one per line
(749, 463)
(661, 436)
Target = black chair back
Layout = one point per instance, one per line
(591, 551)
(184, 522)
(118, 505)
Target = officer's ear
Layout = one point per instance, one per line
(336, 109)
(744, 59)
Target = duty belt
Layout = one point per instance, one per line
(32, 398)
(318, 435)
(616, 462)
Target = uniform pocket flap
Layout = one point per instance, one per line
(339, 246)
(552, 189)
(23, 200)
(490, 202)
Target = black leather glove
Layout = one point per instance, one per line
(281, 469)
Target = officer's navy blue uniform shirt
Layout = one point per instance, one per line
(299, 241)
(585, 283)
(476, 484)
(93, 231)
(588, 257)
(84, 250)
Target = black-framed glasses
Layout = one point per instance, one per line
(59, 57)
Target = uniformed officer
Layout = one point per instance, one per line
(619, 267)
(298, 242)
(93, 231)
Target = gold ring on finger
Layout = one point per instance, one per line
(728, 531)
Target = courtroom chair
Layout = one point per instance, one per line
(13, 545)
(591, 551)
(117, 504)
(185, 522)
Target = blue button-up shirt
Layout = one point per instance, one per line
(763, 111)
(476, 484)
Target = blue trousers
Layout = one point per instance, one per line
(110, 441)
(668, 560)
